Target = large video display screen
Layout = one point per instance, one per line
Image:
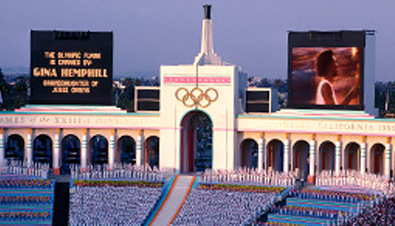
(71, 68)
(326, 73)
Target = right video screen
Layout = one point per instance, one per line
(323, 75)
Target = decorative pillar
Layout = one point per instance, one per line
(56, 154)
(261, 152)
(286, 154)
(84, 150)
(311, 177)
(29, 151)
(111, 150)
(2, 160)
(363, 155)
(338, 153)
(387, 171)
(139, 148)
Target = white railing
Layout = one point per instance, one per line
(40, 170)
(249, 176)
(120, 171)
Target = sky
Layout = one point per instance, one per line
(249, 33)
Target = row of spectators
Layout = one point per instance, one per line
(223, 207)
(382, 213)
(245, 175)
(270, 223)
(26, 195)
(120, 171)
(112, 205)
(308, 211)
(355, 178)
(333, 196)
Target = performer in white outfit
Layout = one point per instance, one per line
(326, 69)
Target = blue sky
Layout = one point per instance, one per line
(150, 33)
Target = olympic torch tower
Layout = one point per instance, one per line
(198, 107)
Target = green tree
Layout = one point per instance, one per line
(126, 97)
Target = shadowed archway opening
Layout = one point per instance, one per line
(300, 152)
(98, 150)
(352, 156)
(377, 159)
(126, 152)
(196, 142)
(42, 149)
(151, 153)
(275, 155)
(14, 148)
(327, 156)
(71, 152)
(249, 153)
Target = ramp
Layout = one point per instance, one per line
(174, 201)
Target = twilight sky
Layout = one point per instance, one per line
(150, 33)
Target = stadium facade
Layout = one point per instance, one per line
(203, 122)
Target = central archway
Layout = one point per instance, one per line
(196, 142)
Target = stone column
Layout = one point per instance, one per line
(84, 150)
(139, 148)
(56, 154)
(29, 150)
(363, 156)
(111, 150)
(311, 178)
(2, 147)
(261, 152)
(387, 171)
(338, 154)
(286, 154)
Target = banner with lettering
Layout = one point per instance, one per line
(71, 67)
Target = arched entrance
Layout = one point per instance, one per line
(275, 155)
(42, 149)
(300, 152)
(151, 153)
(377, 159)
(327, 156)
(71, 152)
(196, 142)
(99, 150)
(126, 152)
(14, 148)
(249, 153)
(352, 156)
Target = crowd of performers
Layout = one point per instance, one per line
(112, 205)
(123, 204)
(208, 207)
(221, 207)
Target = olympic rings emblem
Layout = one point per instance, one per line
(196, 96)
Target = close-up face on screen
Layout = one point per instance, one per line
(325, 76)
